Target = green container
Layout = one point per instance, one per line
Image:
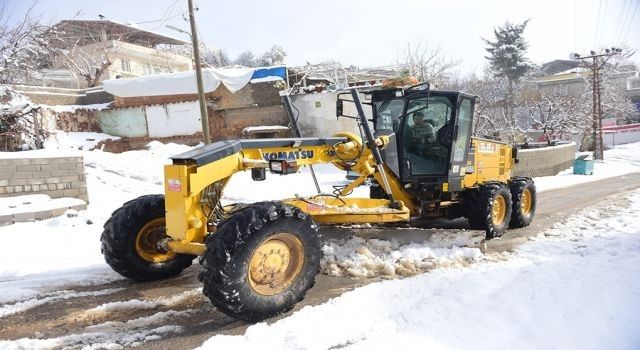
(583, 166)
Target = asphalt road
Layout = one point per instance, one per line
(69, 317)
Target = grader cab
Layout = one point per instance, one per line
(259, 259)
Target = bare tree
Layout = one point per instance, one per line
(89, 60)
(23, 47)
(426, 64)
(559, 115)
(615, 102)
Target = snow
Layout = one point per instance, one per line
(35, 203)
(621, 160)
(178, 83)
(108, 335)
(262, 128)
(146, 304)
(10, 309)
(266, 79)
(87, 141)
(359, 257)
(73, 108)
(575, 287)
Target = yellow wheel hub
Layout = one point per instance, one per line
(276, 263)
(499, 210)
(526, 202)
(147, 242)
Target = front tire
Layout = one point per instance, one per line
(489, 208)
(261, 261)
(129, 241)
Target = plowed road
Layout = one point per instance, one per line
(178, 301)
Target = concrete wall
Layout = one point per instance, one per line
(318, 114)
(622, 136)
(173, 119)
(546, 161)
(56, 177)
(123, 122)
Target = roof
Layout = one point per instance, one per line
(88, 31)
(557, 66)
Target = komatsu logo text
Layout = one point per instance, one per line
(288, 155)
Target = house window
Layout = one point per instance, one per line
(125, 64)
(146, 68)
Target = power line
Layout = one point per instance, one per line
(633, 15)
(624, 12)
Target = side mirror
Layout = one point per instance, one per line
(339, 108)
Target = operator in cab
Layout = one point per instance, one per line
(421, 135)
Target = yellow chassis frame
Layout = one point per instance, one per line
(186, 222)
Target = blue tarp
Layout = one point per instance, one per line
(270, 72)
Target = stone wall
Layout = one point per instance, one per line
(547, 161)
(56, 177)
(60, 96)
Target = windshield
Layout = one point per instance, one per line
(388, 114)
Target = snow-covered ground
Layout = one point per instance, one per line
(623, 159)
(574, 287)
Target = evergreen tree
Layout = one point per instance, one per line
(507, 59)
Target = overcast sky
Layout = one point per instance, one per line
(372, 33)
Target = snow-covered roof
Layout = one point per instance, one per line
(89, 30)
(180, 83)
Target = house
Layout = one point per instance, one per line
(97, 50)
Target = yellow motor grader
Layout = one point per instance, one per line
(260, 259)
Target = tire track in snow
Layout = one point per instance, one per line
(111, 334)
(21, 306)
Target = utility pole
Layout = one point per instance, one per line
(196, 54)
(597, 63)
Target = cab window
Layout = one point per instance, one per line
(421, 143)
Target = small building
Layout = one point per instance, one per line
(132, 51)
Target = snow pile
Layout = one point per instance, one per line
(359, 257)
(576, 290)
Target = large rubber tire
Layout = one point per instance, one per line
(522, 214)
(225, 270)
(119, 241)
(479, 205)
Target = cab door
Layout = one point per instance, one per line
(461, 139)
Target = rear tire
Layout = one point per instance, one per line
(245, 274)
(129, 237)
(489, 208)
(523, 192)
